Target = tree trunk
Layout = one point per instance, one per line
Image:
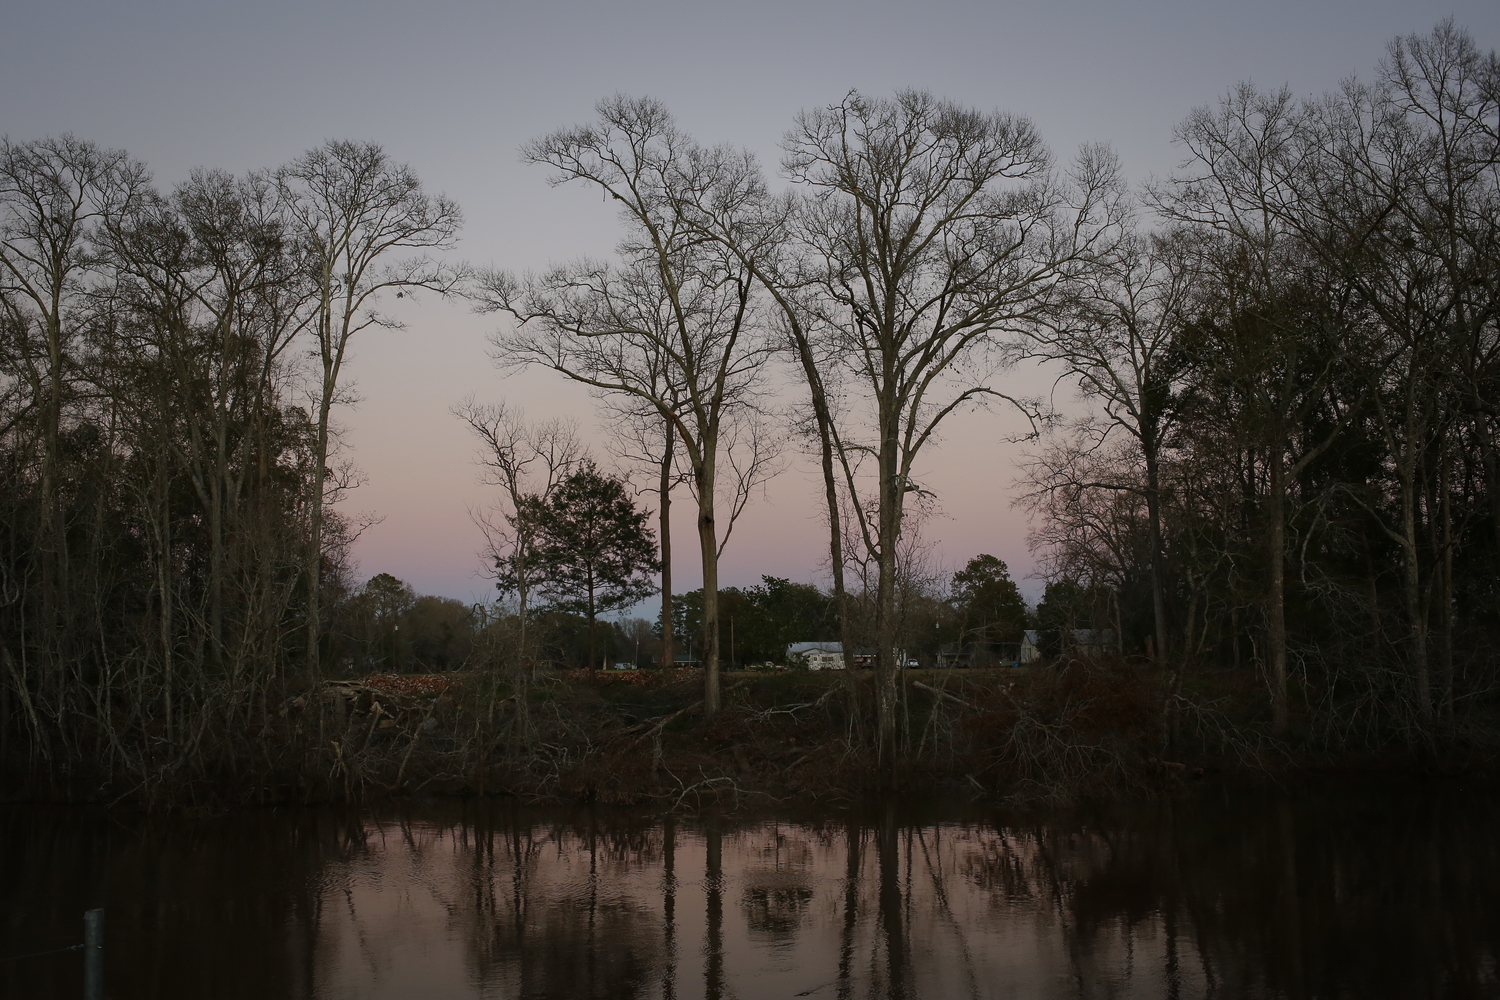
(314, 624)
(824, 420)
(164, 583)
(665, 533)
(1491, 469)
(216, 569)
(835, 527)
(1445, 593)
(889, 530)
(708, 545)
(521, 666)
(1372, 594)
(1276, 598)
(331, 345)
(53, 550)
(523, 593)
(1158, 570)
(592, 638)
(1411, 580)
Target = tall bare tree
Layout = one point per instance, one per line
(643, 438)
(1120, 335)
(931, 231)
(756, 225)
(358, 212)
(672, 325)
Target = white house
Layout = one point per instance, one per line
(817, 655)
(1031, 646)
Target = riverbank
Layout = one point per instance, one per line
(1053, 733)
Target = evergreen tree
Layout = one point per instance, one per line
(989, 604)
(595, 550)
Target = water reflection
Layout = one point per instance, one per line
(1342, 892)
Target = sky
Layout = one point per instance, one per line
(454, 88)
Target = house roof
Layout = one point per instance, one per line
(1081, 636)
(795, 648)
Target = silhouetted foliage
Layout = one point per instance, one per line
(988, 602)
(1289, 469)
(761, 621)
(594, 549)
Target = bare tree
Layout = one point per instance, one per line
(356, 210)
(672, 325)
(643, 438)
(526, 461)
(929, 229)
(1120, 334)
(1449, 91)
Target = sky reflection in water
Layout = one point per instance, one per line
(1341, 891)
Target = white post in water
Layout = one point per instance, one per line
(93, 955)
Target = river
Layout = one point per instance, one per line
(1358, 889)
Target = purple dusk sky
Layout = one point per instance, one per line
(455, 87)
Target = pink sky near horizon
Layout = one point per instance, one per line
(424, 481)
(454, 87)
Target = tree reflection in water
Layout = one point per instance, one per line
(1342, 892)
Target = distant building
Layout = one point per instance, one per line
(978, 654)
(1031, 645)
(1094, 642)
(830, 656)
(817, 655)
(865, 659)
(1082, 642)
(952, 654)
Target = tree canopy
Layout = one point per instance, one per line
(988, 602)
(595, 550)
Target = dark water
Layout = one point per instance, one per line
(1359, 891)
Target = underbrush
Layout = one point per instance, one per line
(1060, 731)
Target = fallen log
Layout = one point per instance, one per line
(944, 695)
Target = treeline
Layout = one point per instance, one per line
(1288, 347)
(1291, 459)
(169, 362)
(974, 616)
(1290, 350)
(384, 626)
